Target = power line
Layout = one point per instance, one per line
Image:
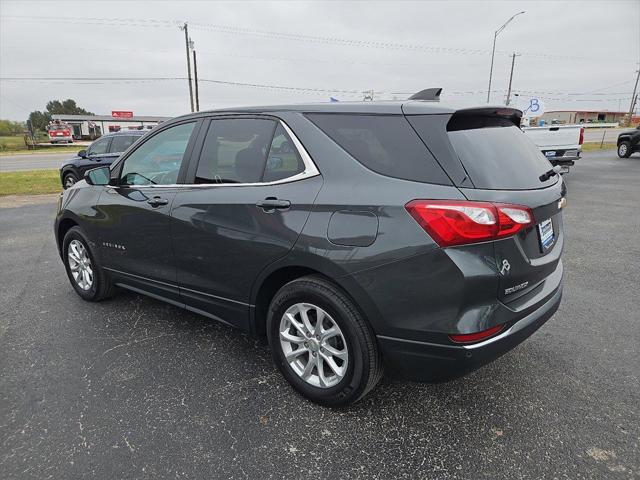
(133, 80)
(233, 30)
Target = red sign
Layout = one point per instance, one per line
(121, 114)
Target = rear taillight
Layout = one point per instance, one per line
(581, 136)
(478, 336)
(458, 222)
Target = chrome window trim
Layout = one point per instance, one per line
(310, 170)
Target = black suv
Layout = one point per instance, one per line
(101, 152)
(355, 237)
(629, 142)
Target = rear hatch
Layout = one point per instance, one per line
(490, 160)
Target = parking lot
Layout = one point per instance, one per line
(134, 388)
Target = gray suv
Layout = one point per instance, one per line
(357, 238)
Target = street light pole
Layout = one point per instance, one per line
(493, 51)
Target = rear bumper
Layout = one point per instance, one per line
(430, 362)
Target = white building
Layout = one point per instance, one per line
(90, 127)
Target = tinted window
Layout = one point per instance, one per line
(284, 160)
(120, 143)
(383, 143)
(235, 151)
(99, 146)
(498, 156)
(158, 160)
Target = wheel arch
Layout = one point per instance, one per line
(64, 226)
(270, 281)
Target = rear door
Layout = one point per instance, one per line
(252, 189)
(502, 165)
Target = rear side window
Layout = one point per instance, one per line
(494, 152)
(283, 161)
(385, 144)
(235, 150)
(120, 143)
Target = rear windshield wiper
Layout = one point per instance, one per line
(547, 175)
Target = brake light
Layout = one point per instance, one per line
(478, 336)
(459, 222)
(581, 136)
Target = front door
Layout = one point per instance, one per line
(135, 240)
(96, 153)
(250, 197)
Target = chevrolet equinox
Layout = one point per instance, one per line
(357, 237)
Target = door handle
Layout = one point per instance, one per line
(157, 201)
(270, 204)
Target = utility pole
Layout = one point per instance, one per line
(195, 80)
(186, 46)
(633, 99)
(493, 52)
(513, 61)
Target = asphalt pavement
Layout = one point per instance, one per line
(134, 388)
(35, 161)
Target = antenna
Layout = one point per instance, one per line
(432, 94)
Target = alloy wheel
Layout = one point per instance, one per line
(622, 150)
(313, 345)
(80, 265)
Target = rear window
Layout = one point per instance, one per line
(494, 152)
(385, 144)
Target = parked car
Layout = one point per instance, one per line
(60, 133)
(355, 237)
(101, 152)
(561, 144)
(629, 142)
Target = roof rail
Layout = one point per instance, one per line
(432, 94)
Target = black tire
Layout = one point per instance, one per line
(101, 287)
(364, 368)
(69, 180)
(624, 149)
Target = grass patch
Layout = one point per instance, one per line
(10, 145)
(41, 150)
(30, 182)
(591, 146)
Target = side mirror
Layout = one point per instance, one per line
(82, 154)
(98, 176)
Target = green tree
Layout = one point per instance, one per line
(8, 128)
(40, 120)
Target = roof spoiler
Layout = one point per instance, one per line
(431, 94)
(479, 117)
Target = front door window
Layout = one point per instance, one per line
(157, 161)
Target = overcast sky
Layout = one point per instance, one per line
(573, 54)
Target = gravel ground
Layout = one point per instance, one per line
(133, 388)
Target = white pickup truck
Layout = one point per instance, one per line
(561, 144)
